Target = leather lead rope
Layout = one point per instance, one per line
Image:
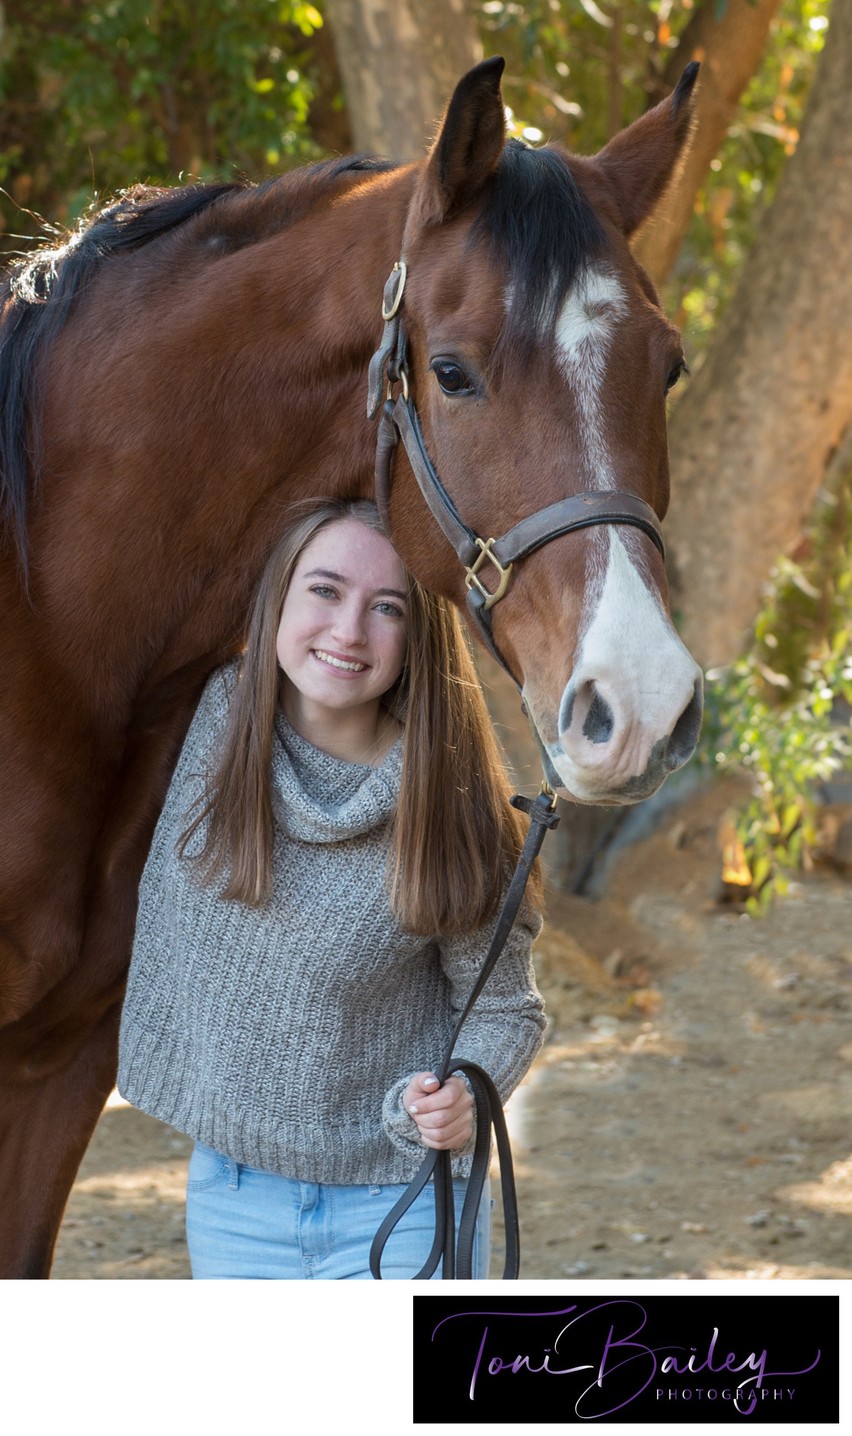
(457, 1261)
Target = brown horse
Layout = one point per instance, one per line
(180, 370)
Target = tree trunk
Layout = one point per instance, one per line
(328, 119)
(729, 49)
(400, 64)
(751, 439)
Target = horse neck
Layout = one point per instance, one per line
(262, 326)
(307, 303)
(305, 306)
(314, 293)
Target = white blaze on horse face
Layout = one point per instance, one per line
(629, 713)
(584, 333)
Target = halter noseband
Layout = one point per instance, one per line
(399, 420)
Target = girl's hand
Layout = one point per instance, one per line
(444, 1115)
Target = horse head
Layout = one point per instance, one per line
(535, 361)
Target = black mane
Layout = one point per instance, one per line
(38, 293)
(536, 221)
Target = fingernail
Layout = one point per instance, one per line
(430, 1082)
(413, 1110)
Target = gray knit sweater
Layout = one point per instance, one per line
(286, 1035)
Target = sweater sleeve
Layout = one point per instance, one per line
(505, 1028)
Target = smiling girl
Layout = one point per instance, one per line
(320, 891)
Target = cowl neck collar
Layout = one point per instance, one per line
(320, 799)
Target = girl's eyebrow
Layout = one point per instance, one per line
(339, 578)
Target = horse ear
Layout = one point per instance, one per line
(640, 161)
(469, 143)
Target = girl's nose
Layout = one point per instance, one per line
(349, 624)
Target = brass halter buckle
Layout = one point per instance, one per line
(471, 575)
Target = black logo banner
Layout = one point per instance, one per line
(627, 1359)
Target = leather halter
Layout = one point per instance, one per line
(399, 420)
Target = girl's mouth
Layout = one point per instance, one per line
(349, 666)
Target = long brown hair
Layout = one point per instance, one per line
(455, 835)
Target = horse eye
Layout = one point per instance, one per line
(452, 377)
(681, 367)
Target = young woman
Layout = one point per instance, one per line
(318, 898)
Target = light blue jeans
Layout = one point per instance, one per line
(245, 1223)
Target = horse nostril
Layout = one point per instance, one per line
(599, 721)
(566, 710)
(681, 744)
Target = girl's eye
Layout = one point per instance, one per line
(452, 378)
(390, 609)
(323, 590)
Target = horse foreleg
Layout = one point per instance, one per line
(47, 1117)
(58, 1060)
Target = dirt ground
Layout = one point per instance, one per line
(689, 1115)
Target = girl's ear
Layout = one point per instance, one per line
(639, 162)
(468, 146)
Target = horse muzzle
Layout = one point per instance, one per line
(611, 749)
